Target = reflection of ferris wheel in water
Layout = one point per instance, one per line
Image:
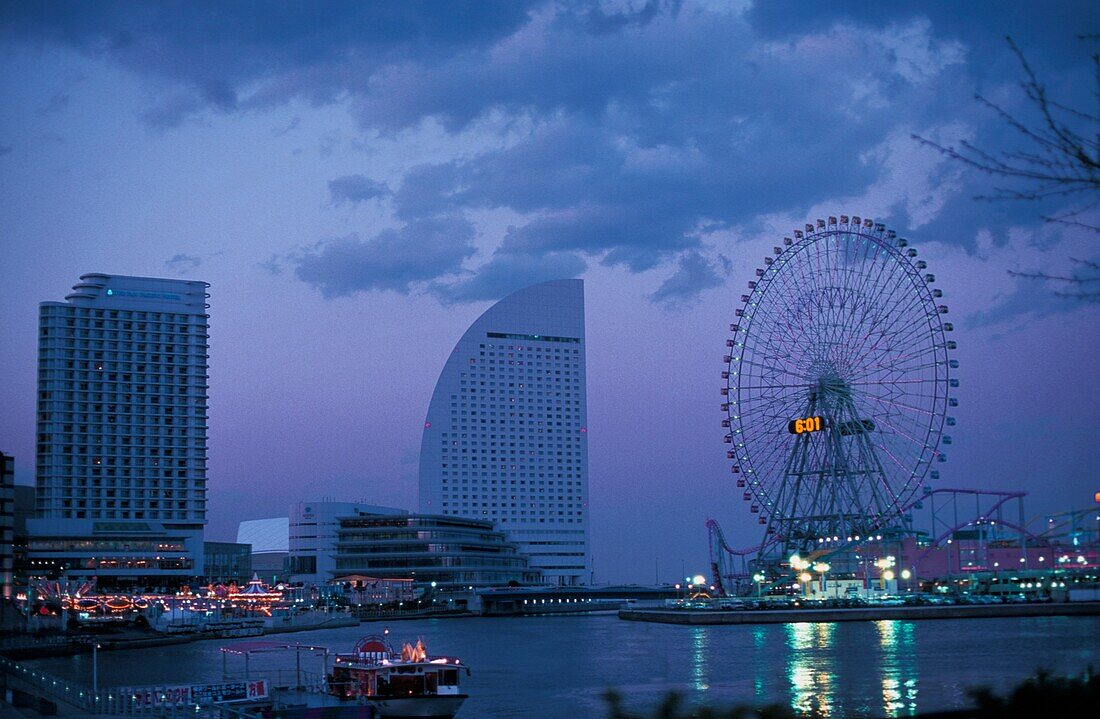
(836, 386)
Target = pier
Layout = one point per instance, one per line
(858, 614)
(520, 601)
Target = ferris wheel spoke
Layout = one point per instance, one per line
(871, 344)
(772, 386)
(891, 382)
(908, 434)
(859, 291)
(898, 494)
(914, 466)
(919, 410)
(906, 322)
(899, 363)
(764, 367)
(920, 327)
(896, 318)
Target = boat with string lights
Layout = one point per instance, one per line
(373, 680)
(409, 683)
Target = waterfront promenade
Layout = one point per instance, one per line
(858, 614)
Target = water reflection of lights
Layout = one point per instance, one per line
(899, 681)
(813, 685)
(760, 651)
(699, 637)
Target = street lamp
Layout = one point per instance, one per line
(758, 578)
(800, 565)
(821, 568)
(884, 565)
(95, 669)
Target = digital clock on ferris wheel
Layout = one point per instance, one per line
(816, 424)
(806, 424)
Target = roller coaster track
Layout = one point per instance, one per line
(727, 563)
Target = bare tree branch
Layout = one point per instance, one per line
(1059, 162)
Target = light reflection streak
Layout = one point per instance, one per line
(760, 650)
(809, 671)
(899, 676)
(699, 641)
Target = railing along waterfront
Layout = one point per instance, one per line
(51, 686)
(162, 700)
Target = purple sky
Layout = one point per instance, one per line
(358, 181)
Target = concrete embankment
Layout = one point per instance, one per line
(83, 645)
(408, 616)
(860, 614)
(333, 622)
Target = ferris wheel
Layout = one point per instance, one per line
(837, 384)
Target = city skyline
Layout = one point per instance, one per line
(351, 231)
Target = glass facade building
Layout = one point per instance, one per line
(313, 531)
(227, 562)
(505, 438)
(454, 553)
(122, 421)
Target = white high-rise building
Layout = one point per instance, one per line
(506, 433)
(122, 412)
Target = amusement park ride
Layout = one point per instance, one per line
(836, 400)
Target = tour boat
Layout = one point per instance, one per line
(409, 683)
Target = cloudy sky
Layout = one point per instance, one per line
(358, 181)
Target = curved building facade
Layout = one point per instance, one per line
(505, 438)
(452, 552)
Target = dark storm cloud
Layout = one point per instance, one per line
(629, 173)
(1050, 29)
(393, 259)
(427, 191)
(355, 189)
(57, 102)
(211, 49)
(601, 21)
(626, 127)
(506, 272)
(171, 111)
(694, 273)
(182, 262)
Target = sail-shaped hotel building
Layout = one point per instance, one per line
(505, 438)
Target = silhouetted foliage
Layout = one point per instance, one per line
(672, 708)
(1038, 696)
(1042, 695)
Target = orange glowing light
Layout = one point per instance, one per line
(807, 424)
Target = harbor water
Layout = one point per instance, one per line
(562, 666)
